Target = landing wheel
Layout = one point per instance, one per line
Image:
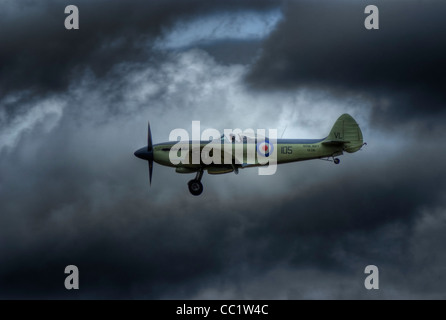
(336, 160)
(195, 187)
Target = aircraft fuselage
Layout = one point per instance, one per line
(287, 150)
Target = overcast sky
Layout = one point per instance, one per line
(74, 106)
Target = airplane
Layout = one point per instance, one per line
(345, 135)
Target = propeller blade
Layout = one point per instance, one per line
(150, 161)
(149, 137)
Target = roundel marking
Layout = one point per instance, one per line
(265, 148)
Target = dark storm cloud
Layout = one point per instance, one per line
(38, 53)
(325, 44)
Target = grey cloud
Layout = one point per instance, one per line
(38, 53)
(399, 66)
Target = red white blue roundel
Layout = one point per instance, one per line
(264, 148)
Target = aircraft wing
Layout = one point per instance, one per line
(196, 153)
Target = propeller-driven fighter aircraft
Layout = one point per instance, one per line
(344, 136)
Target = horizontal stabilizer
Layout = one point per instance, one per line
(335, 142)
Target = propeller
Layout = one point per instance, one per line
(150, 152)
(146, 153)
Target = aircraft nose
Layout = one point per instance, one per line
(142, 153)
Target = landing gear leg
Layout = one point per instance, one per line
(195, 185)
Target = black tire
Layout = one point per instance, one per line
(195, 187)
(336, 161)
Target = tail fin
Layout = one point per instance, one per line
(345, 132)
